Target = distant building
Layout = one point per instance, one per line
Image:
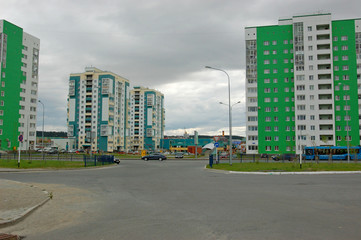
(303, 84)
(146, 119)
(19, 60)
(97, 110)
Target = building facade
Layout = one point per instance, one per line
(19, 59)
(303, 84)
(97, 110)
(146, 119)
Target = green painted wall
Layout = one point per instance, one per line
(277, 88)
(340, 29)
(13, 78)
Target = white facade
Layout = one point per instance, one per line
(29, 94)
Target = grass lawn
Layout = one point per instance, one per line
(40, 164)
(287, 167)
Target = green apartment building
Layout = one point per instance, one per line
(19, 60)
(303, 84)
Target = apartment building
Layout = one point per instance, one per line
(19, 59)
(303, 84)
(97, 110)
(146, 119)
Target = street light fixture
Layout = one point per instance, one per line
(229, 112)
(42, 133)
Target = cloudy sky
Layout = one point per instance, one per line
(160, 44)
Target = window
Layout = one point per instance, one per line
(310, 77)
(266, 52)
(268, 119)
(275, 70)
(285, 51)
(266, 71)
(285, 41)
(286, 70)
(267, 109)
(267, 90)
(335, 39)
(267, 80)
(268, 138)
(345, 67)
(310, 48)
(345, 58)
(268, 129)
(267, 100)
(275, 90)
(309, 38)
(266, 43)
(276, 128)
(275, 80)
(275, 109)
(266, 61)
(274, 52)
(310, 58)
(309, 28)
(344, 38)
(345, 47)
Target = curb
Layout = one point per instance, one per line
(284, 173)
(297, 173)
(26, 213)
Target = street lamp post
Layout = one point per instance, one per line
(42, 132)
(229, 112)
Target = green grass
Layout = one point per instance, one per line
(287, 167)
(40, 164)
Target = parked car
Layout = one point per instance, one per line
(116, 160)
(154, 156)
(52, 151)
(179, 155)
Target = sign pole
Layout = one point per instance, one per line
(20, 144)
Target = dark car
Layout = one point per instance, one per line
(154, 156)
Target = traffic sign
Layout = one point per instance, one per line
(21, 138)
(216, 144)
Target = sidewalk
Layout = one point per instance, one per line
(17, 200)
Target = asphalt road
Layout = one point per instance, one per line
(181, 200)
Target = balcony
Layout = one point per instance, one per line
(326, 76)
(325, 106)
(322, 27)
(324, 87)
(324, 66)
(323, 47)
(326, 56)
(328, 127)
(324, 97)
(325, 117)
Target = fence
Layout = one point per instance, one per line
(94, 160)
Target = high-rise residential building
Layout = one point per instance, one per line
(303, 84)
(97, 110)
(146, 119)
(19, 59)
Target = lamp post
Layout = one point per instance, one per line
(229, 112)
(347, 129)
(42, 133)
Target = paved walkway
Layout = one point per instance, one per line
(18, 200)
